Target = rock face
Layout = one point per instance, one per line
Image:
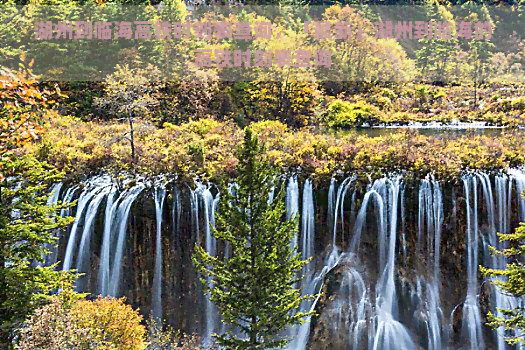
(330, 310)
(408, 249)
(330, 328)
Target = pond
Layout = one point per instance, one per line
(430, 129)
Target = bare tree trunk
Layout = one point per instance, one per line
(475, 93)
(131, 136)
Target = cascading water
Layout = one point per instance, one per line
(331, 200)
(68, 197)
(307, 234)
(292, 203)
(159, 195)
(339, 206)
(519, 178)
(104, 271)
(87, 207)
(430, 221)
(84, 247)
(308, 222)
(471, 314)
(500, 223)
(365, 307)
(312, 284)
(389, 332)
(53, 200)
(209, 204)
(118, 229)
(84, 199)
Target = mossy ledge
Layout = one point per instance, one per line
(205, 149)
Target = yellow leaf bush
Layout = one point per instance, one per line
(102, 324)
(206, 148)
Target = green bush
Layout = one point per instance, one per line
(428, 97)
(169, 339)
(384, 103)
(345, 115)
(518, 104)
(508, 105)
(292, 102)
(388, 93)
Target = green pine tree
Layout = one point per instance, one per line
(27, 224)
(26, 227)
(512, 281)
(254, 289)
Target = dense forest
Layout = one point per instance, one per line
(360, 190)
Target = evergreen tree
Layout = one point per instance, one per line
(254, 288)
(479, 56)
(27, 224)
(513, 283)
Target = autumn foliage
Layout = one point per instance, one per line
(105, 323)
(25, 107)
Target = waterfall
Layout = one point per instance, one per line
(308, 222)
(471, 313)
(55, 194)
(498, 262)
(104, 271)
(311, 285)
(53, 198)
(68, 197)
(365, 305)
(114, 234)
(177, 208)
(354, 293)
(331, 200)
(361, 217)
(292, 203)
(119, 229)
(431, 209)
(84, 251)
(519, 177)
(159, 196)
(389, 333)
(300, 341)
(503, 190)
(209, 204)
(83, 201)
(386, 332)
(339, 206)
(307, 245)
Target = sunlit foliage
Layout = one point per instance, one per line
(511, 280)
(71, 322)
(27, 224)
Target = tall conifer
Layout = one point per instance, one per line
(511, 280)
(254, 288)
